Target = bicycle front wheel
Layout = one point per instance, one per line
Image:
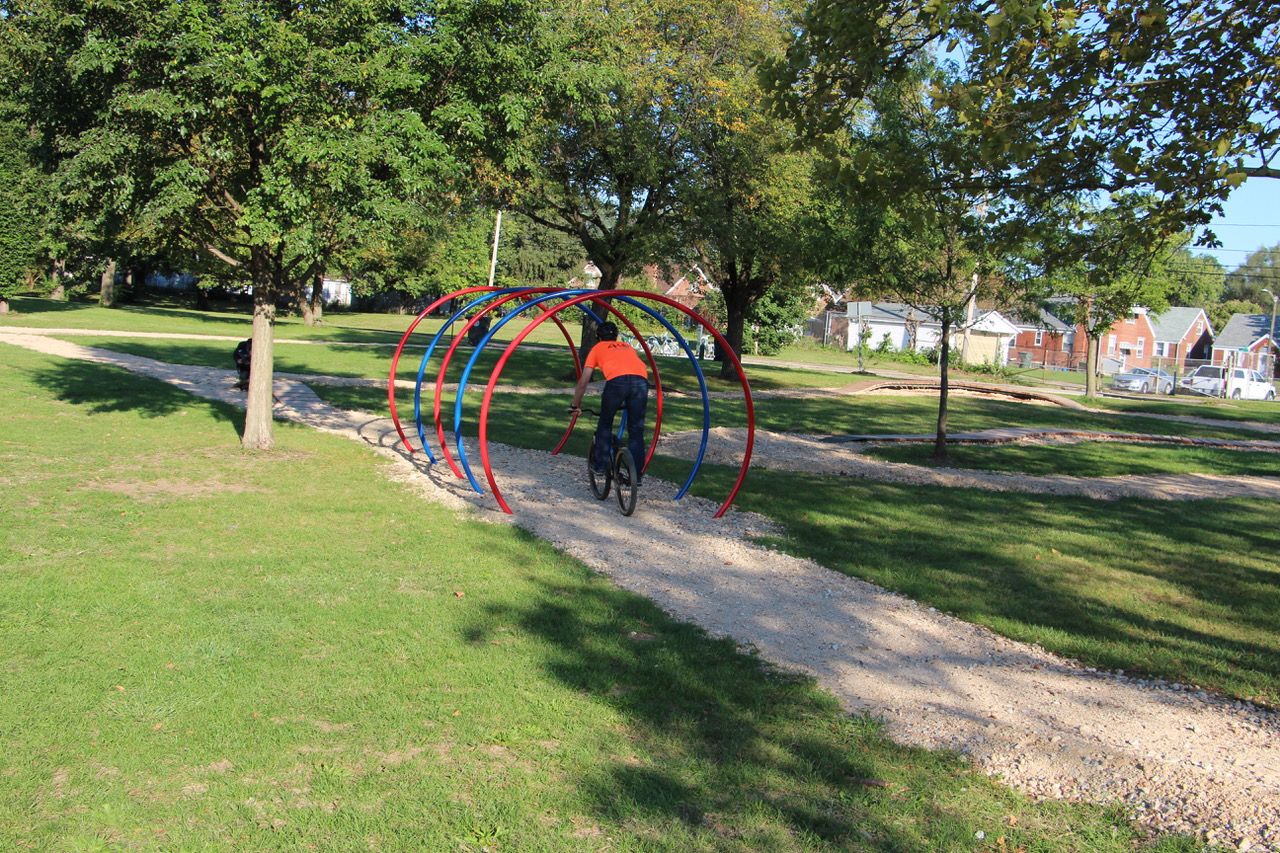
(599, 482)
(624, 468)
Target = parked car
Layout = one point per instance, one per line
(1207, 379)
(1238, 383)
(1144, 379)
(1246, 384)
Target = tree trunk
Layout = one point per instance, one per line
(944, 384)
(312, 304)
(259, 403)
(59, 290)
(735, 325)
(610, 275)
(107, 287)
(1093, 350)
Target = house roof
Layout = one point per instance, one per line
(1172, 324)
(1042, 319)
(1243, 330)
(896, 313)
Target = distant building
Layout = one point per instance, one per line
(1128, 343)
(1043, 340)
(1246, 342)
(1182, 334)
(903, 327)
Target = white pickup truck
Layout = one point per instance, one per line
(1238, 383)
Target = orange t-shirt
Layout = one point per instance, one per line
(615, 358)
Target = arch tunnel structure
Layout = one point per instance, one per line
(545, 304)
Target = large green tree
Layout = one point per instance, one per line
(634, 81)
(745, 196)
(1176, 99)
(910, 216)
(1260, 269)
(21, 209)
(1199, 279)
(272, 138)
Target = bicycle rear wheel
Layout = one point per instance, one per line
(624, 468)
(599, 482)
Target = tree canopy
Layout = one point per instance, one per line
(271, 139)
(1176, 99)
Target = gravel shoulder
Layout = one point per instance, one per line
(1179, 759)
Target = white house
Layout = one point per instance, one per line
(903, 327)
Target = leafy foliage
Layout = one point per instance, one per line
(1261, 268)
(1176, 99)
(19, 211)
(271, 140)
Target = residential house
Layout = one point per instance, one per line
(688, 287)
(1246, 341)
(1182, 335)
(1042, 340)
(1129, 343)
(829, 321)
(900, 327)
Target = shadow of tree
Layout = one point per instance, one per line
(103, 388)
(726, 751)
(1178, 589)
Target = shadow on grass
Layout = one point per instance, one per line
(103, 388)
(728, 748)
(1170, 588)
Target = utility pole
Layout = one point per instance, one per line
(493, 258)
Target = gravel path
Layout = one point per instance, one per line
(1180, 759)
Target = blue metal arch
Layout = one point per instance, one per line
(564, 294)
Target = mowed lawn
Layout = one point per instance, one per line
(206, 649)
(1184, 590)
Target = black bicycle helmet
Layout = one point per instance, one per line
(607, 331)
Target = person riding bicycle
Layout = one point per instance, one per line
(626, 384)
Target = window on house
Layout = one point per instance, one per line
(1161, 350)
(1142, 344)
(1039, 337)
(1111, 344)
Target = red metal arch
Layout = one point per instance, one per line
(395, 358)
(546, 309)
(635, 294)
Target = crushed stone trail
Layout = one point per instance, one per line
(1180, 759)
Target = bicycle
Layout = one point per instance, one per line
(622, 472)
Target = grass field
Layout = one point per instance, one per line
(1188, 591)
(207, 649)
(1092, 459)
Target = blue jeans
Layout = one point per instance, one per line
(631, 392)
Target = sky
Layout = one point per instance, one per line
(1250, 220)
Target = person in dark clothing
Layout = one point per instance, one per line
(477, 332)
(626, 388)
(243, 355)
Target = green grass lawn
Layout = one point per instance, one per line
(207, 649)
(161, 316)
(1188, 591)
(545, 366)
(1260, 411)
(1091, 459)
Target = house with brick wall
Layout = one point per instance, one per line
(1182, 334)
(1043, 340)
(1129, 343)
(1246, 342)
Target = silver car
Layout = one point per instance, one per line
(1145, 380)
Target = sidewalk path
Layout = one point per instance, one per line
(1178, 758)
